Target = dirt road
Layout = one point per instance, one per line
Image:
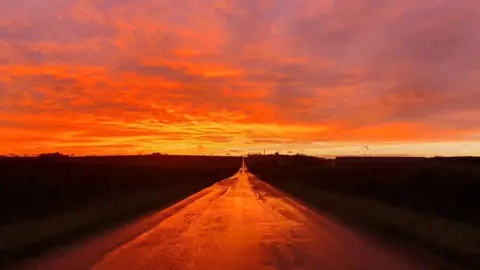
(243, 223)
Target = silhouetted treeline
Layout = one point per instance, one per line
(444, 187)
(32, 188)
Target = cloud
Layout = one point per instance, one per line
(144, 75)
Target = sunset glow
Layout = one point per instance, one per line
(237, 76)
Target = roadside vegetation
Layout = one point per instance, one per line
(54, 199)
(431, 204)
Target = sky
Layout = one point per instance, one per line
(320, 77)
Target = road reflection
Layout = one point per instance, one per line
(243, 223)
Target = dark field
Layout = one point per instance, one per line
(53, 199)
(443, 187)
(430, 202)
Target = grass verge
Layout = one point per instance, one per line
(27, 239)
(456, 242)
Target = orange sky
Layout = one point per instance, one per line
(236, 76)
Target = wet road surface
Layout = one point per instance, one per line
(241, 223)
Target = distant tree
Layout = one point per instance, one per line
(55, 155)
